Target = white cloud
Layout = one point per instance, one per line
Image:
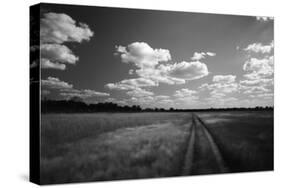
(142, 55)
(60, 28)
(212, 54)
(259, 48)
(201, 55)
(55, 83)
(186, 70)
(47, 64)
(133, 83)
(162, 97)
(139, 92)
(253, 89)
(56, 29)
(185, 92)
(159, 74)
(139, 82)
(258, 68)
(224, 78)
(220, 88)
(262, 81)
(67, 89)
(86, 93)
(265, 95)
(147, 60)
(58, 53)
(264, 18)
(198, 55)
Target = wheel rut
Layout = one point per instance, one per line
(202, 154)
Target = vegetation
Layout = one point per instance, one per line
(82, 147)
(76, 105)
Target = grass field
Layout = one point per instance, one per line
(94, 147)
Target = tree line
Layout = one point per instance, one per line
(78, 106)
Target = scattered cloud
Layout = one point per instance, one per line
(253, 89)
(56, 29)
(129, 84)
(258, 68)
(60, 28)
(153, 67)
(85, 93)
(201, 55)
(55, 83)
(139, 92)
(58, 53)
(262, 81)
(264, 18)
(222, 85)
(67, 90)
(142, 55)
(260, 48)
(184, 93)
(185, 70)
(47, 64)
(224, 78)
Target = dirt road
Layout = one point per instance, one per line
(202, 155)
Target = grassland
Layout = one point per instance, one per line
(113, 146)
(245, 139)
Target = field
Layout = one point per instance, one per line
(114, 146)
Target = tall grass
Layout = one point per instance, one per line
(244, 139)
(88, 147)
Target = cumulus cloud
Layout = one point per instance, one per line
(67, 90)
(152, 64)
(259, 48)
(201, 55)
(58, 53)
(186, 70)
(258, 68)
(139, 92)
(264, 18)
(133, 83)
(185, 92)
(224, 78)
(85, 93)
(56, 29)
(221, 88)
(55, 83)
(142, 55)
(262, 81)
(60, 28)
(162, 97)
(47, 64)
(222, 85)
(253, 89)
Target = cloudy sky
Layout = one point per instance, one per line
(156, 58)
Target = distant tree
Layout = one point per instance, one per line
(76, 99)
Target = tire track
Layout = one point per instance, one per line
(202, 154)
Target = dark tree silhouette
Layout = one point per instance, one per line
(77, 105)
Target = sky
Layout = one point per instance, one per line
(155, 58)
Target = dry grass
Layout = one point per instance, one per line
(112, 146)
(95, 147)
(244, 138)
